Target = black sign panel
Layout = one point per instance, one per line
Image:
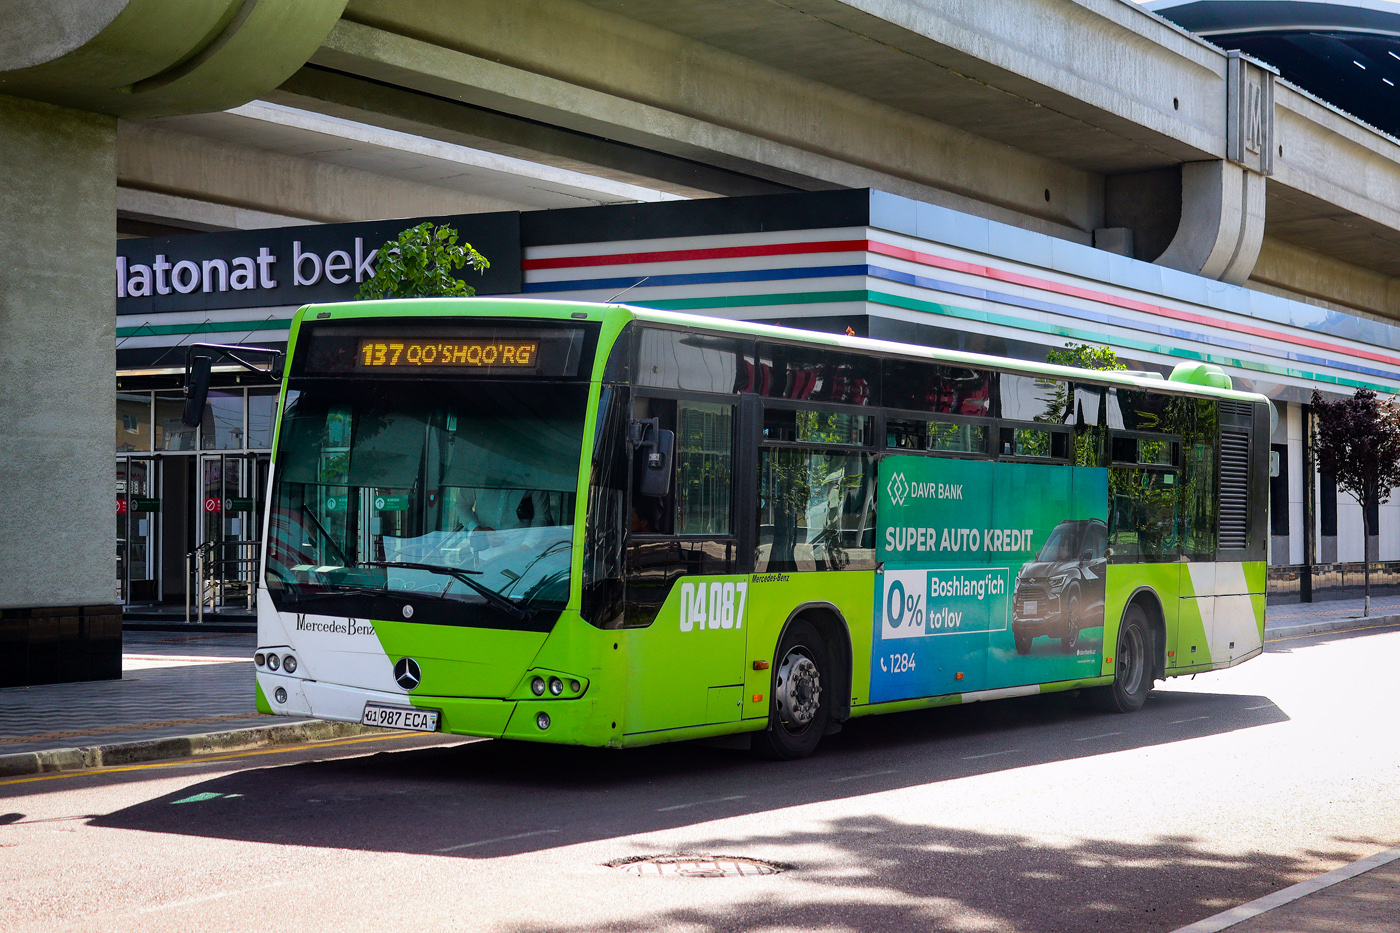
(293, 265)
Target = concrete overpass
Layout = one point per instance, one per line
(1090, 120)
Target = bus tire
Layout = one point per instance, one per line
(1132, 666)
(799, 705)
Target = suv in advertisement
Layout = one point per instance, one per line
(1061, 592)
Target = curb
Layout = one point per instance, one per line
(179, 746)
(1274, 632)
(152, 625)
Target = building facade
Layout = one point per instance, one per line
(881, 265)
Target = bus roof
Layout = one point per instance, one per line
(617, 314)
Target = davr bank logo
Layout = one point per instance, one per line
(897, 489)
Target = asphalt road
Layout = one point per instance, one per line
(1026, 815)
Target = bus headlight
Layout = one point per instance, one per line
(289, 664)
(272, 662)
(556, 686)
(542, 720)
(537, 687)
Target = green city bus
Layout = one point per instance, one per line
(611, 526)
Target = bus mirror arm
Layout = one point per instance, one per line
(199, 368)
(646, 434)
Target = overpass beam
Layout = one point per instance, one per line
(1222, 222)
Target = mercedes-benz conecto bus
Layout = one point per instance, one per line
(610, 526)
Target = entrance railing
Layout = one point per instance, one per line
(218, 574)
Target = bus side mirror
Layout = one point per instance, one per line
(197, 390)
(657, 447)
(656, 481)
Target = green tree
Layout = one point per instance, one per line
(422, 263)
(1086, 356)
(1357, 440)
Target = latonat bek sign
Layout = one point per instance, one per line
(993, 575)
(292, 266)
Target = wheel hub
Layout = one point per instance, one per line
(799, 689)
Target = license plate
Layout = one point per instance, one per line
(1032, 606)
(400, 717)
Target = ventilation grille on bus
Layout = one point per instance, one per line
(1234, 490)
(1238, 409)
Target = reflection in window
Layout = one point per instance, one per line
(171, 432)
(704, 445)
(816, 511)
(950, 436)
(1198, 496)
(1034, 442)
(222, 425)
(815, 427)
(1034, 398)
(1149, 451)
(938, 388)
(1142, 516)
(262, 417)
(812, 374)
(673, 359)
(133, 421)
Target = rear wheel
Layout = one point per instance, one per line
(801, 695)
(1132, 666)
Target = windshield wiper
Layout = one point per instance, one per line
(502, 603)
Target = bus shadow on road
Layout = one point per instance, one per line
(490, 799)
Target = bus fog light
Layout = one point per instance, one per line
(280, 694)
(259, 659)
(556, 686)
(542, 720)
(272, 662)
(537, 686)
(289, 664)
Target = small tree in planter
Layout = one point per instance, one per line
(421, 263)
(1357, 440)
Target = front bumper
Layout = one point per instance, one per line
(570, 721)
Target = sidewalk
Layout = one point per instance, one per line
(1292, 619)
(180, 694)
(1363, 897)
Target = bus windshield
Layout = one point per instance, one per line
(388, 487)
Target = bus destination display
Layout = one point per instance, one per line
(466, 354)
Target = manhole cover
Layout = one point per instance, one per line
(696, 866)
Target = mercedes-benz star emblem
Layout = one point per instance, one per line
(408, 612)
(406, 672)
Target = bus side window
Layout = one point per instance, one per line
(704, 468)
(816, 510)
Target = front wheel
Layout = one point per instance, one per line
(1132, 666)
(1069, 641)
(801, 695)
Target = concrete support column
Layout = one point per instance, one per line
(1222, 222)
(58, 614)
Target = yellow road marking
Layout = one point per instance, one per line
(200, 759)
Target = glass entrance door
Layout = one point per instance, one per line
(138, 521)
(230, 506)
